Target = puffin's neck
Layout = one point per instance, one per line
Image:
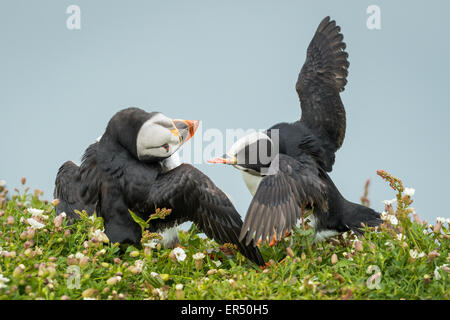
(251, 181)
(171, 162)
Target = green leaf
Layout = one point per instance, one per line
(155, 280)
(144, 225)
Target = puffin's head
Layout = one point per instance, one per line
(253, 154)
(159, 137)
(150, 136)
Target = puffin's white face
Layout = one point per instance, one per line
(254, 140)
(159, 137)
(248, 150)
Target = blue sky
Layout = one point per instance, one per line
(231, 64)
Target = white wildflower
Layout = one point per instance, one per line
(87, 298)
(179, 287)
(389, 217)
(442, 220)
(198, 256)
(389, 202)
(35, 224)
(154, 274)
(113, 280)
(415, 254)
(151, 244)
(139, 264)
(79, 255)
(217, 263)
(35, 212)
(3, 280)
(400, 237)
(347, 256)
(100, 235)
(389, 244)
(393, 220)
(162, 293)
(437, 275)
(409, 191)
(179, 254)
(38, 251)
(2, 183)
(98, 232)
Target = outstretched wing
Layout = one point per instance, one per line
(278, 201)
(67, 190)
(323, 76)
(192, 196)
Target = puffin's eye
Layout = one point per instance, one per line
(166, 146)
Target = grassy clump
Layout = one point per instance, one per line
(45, 258)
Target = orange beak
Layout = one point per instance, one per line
(224, 160)
(186, 128)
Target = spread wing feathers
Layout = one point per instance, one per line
(67, 190)
(323, 76)
(278, 202)
(90, 175)
(192, 196)
(78, 187)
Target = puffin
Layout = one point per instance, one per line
(134, 166)
(286, 166)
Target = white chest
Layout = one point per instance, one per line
(170, 236)
(251, 181)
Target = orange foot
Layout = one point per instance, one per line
(274, 239)
(265, 266)
(273, 242)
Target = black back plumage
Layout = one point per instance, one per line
(113, 180)
(67, 189)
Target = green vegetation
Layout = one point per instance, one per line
(41, 257)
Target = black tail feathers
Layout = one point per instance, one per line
(360, 216)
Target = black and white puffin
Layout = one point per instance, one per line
(285, 167)
(132, 167)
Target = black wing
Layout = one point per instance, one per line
(323, 76)
(77, 188)
(277, 204)
(90, 175)
(67, 190)
(192, 196)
